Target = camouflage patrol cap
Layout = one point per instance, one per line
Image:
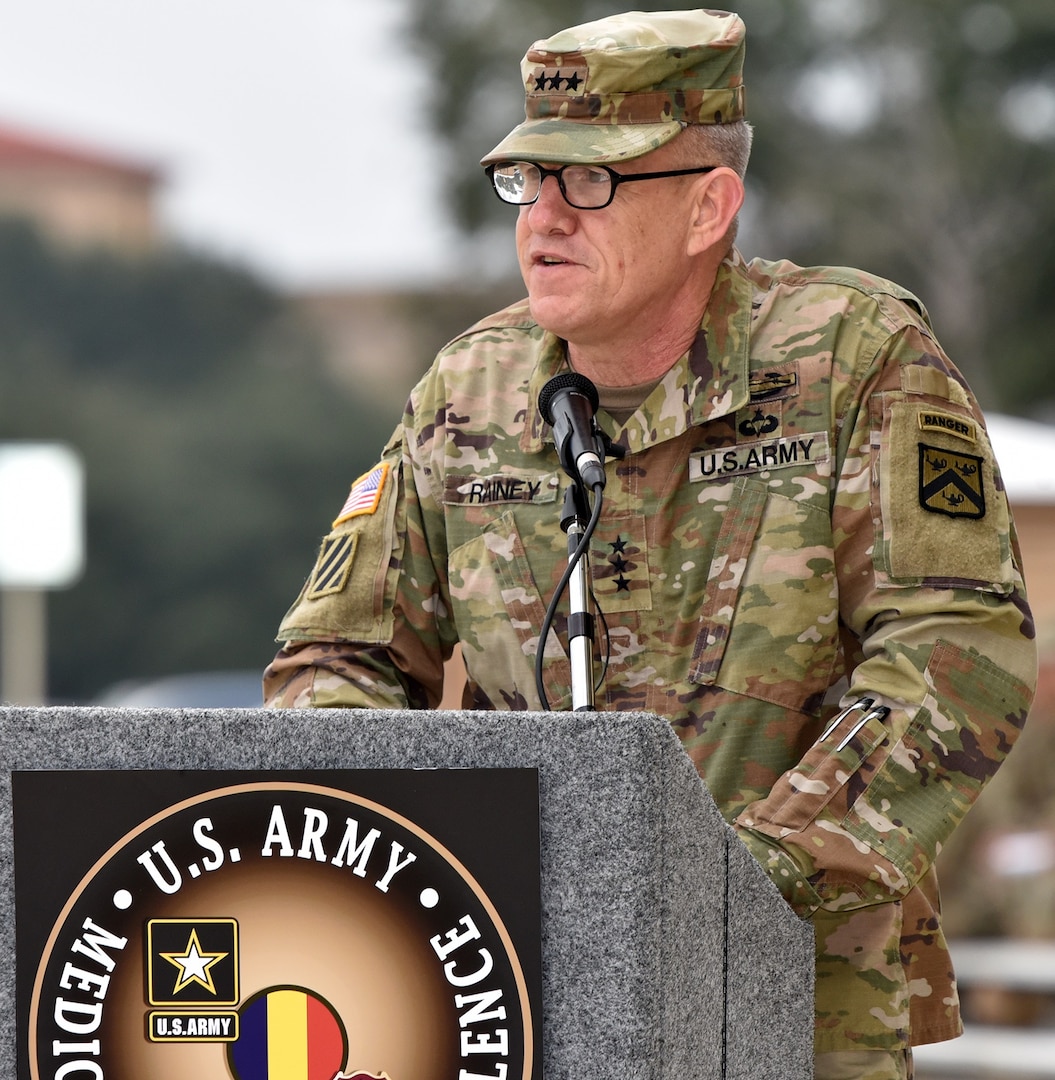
(624, 85)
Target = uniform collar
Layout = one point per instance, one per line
(552, 360)
(710, 380)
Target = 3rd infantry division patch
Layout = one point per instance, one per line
(333, 565)
(950, 483)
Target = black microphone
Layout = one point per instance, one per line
(568, 403)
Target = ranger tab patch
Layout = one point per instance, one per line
(934, 420)
(951, 483)
(365, 496)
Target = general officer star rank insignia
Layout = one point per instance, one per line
(950, 483)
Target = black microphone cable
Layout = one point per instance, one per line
(551, 610)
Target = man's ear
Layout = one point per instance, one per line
(718, 197)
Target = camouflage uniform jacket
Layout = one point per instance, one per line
(808, 515)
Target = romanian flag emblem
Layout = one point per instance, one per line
(288, 1033)
(365, 495)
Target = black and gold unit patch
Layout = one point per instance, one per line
(333, 565)
(951, 483)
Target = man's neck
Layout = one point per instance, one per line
(644, 354)
(631, 362)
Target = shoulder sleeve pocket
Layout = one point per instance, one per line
(350, 593)
(939, 508)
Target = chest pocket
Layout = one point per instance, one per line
(499, 639)
(769, 620)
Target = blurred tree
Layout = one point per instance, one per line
(216, 448)
(998, 869)
(914, 140)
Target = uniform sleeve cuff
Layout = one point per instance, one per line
(783, 870)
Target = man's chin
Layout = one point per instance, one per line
(559, 315)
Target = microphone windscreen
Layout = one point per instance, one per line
(567, 380)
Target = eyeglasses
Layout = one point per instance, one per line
(586, 187)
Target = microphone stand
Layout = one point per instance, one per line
(575, 518)
(568, 403)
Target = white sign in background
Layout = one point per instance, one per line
(41, 515)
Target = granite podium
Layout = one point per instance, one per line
(666, 952)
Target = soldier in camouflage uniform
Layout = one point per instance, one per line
(805, 559)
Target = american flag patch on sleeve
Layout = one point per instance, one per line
(365, 496)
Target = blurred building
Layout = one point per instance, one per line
(1023, 450)
(379, 342)
(78, 196)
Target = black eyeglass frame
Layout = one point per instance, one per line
(616, 178)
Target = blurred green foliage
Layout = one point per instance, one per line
(998, 869)
(216, 451)
(913, 139)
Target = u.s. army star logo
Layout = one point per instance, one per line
(950, 483)
(192, 961)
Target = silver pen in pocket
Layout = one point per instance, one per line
(871, 712)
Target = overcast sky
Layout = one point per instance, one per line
(286, 128)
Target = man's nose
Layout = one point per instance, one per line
(550, 206)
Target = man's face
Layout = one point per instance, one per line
(593, 274)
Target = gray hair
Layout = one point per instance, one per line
(715, 144)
